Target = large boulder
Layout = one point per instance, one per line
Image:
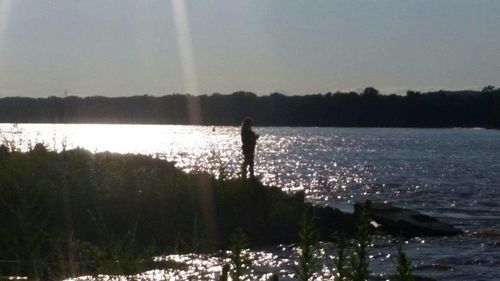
(409, 223)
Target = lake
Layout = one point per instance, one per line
(452, 174)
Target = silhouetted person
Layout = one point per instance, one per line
(248, 140)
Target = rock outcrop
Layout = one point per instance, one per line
(409, 223)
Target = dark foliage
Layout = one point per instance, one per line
(368, 109)
(106, 211)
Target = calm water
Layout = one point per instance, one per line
(453, 174)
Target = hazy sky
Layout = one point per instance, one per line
(130, 47)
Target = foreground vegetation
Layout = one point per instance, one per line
(73, 213)
(351, 258)
(84, 207)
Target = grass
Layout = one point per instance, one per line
(403, 265)
(239, 242)
(359, 257)
(307, 257)
(341, 258)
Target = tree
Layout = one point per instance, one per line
(370, 92)
(488, 89)
(412, 93)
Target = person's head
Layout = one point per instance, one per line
(247, 123)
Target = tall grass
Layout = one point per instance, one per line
(307, 248)
(352, 259)
(403, 265)
(357, 254)
(239, 242)
(225, 272)
(341, 257)
(359, 257)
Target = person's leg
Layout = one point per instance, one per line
(244, 167)
(243, 170)
(251, 167)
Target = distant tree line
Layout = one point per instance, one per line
(346, 109)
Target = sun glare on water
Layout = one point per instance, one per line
(192, 148)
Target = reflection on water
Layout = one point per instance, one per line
(449, 173)
(261, 265)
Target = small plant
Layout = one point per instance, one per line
(196, 243)
(359, 258)
(239, 242)
(117, 253)
(225, 272)
(341, 259)
(403, 265)
(306, 247)
(218, 166)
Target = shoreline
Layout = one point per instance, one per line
(105, 196)
(237, 125)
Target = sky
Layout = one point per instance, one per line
(159, 47)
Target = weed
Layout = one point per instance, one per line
(403, 265)
(239, 242)
(341, 258)
(359, 258)
(307, 247)
(225, 272)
